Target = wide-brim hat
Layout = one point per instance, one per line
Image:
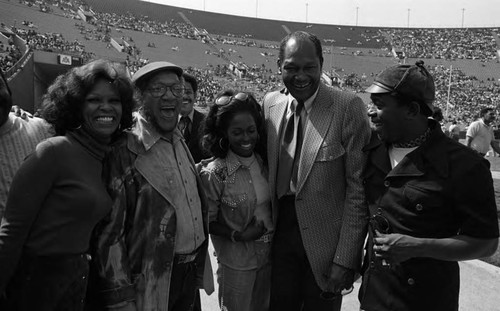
(155, 67)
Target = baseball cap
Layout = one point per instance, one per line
(154, 67)
(410, 81)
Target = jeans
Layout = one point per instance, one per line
(244, 290)
(48, 283)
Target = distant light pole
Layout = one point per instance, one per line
(256, 7)
(357, 10)
(307, 8)
(204, 5)
(408, 22)
(463, 14)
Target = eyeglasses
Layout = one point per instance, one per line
(333, 296)
(224, 100)
(161, 89)
(380, 223)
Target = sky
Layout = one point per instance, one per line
(388, 13)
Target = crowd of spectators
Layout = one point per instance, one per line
(467, 94)
(455, 43)
(9, 55)
(99, 33)
(51, 42)
(143, 24)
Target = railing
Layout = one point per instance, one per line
(24, 48)
(11, 72)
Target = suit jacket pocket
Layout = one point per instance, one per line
(329, 153)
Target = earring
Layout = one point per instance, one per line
(220, 144)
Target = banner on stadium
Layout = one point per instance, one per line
(76, 61)
(64, 59)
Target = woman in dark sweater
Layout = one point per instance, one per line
(57, 195)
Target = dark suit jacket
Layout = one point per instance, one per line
(194, 141)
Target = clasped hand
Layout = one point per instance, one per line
(253, 231)
(339, 278)
(394, 248)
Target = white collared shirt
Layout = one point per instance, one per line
(307, 105)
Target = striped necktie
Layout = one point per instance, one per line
(291, 145)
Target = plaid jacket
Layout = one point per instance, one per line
(330, 202)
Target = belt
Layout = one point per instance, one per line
(186, 258)
(266, 238)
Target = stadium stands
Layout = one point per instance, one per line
(200, 40)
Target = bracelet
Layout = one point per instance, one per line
(232, 235)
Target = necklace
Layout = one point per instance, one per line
(415, 142)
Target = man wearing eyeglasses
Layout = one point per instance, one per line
(152, 250)
(431, 200)
(315, 136)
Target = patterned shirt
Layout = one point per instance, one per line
(18, 138)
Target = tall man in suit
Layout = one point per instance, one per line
(315, 138)
(190, 119)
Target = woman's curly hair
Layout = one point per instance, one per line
(62, 105)
(217, 122)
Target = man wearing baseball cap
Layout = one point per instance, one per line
(431, 200)
(152, 251)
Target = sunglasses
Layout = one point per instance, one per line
(380, 223)
(224, 100)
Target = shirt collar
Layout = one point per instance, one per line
(482, 121)
(148, 135)
(190, 115)
(232, 162)
(308, 103)
(431, 149)
(7, 126)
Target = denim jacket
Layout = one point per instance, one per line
(232, 202)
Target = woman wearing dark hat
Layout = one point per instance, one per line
(57, 195)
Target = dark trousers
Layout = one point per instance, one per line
(293, 287)
(182, 286)
(47, 283)
(197, 302)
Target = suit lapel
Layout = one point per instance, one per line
(276, 116)
(319, 122)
